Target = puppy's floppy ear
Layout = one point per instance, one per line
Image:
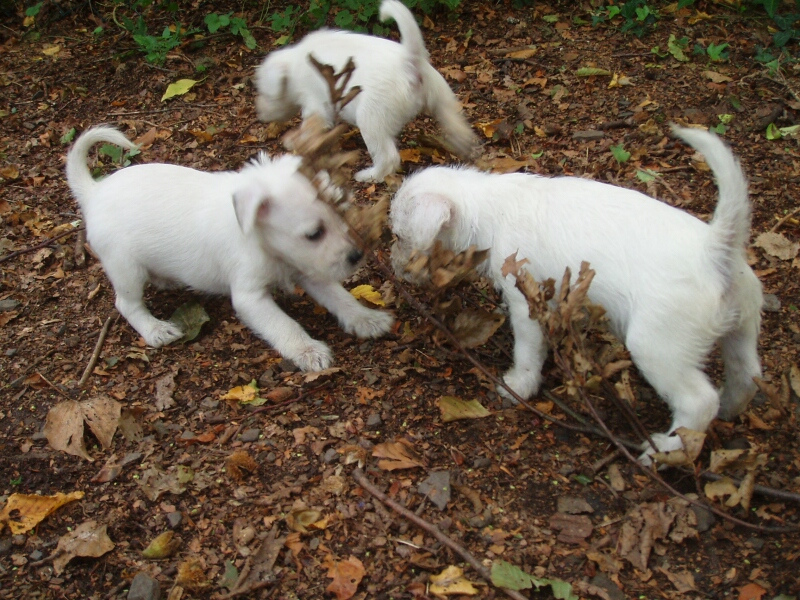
(251, 207)
(430, 212)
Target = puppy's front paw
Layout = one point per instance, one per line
(367, 175)
(316, 356)
(664, 442)
(523, 381)
(371, 324)
(161, 334)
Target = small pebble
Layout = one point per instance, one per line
(287, 366)
(11, 352)
(330, 456)
(19, 539)
(374, 421)
(174, 519)
(771, 303)
(481, 462)
(36, 555)
(5, 545)
(209, 403)
(8, 304)
(250, 435)
(144, 587)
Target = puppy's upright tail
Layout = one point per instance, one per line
(79, 177)
(410, 34)
(730, 226)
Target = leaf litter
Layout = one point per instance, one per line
(522, 467)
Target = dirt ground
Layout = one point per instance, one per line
(270, 489)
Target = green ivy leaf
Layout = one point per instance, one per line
(68, 137)
(619, 153)
(677, 46)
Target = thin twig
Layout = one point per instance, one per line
(598, 465)
(761, 490)
(35, 364)
(53, 385)
(362, 480)
(565, 368)
(96, 354)
(42, 245)
(287, 402)
(783, 220)
(417, 305)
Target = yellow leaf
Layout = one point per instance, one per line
(30, 510)
(368, 293)
(179, 88)
(451, 582)
(52, 50)
(243, 393)
(454, 409)
(410, 155)
(162, 546)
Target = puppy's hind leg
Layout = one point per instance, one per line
(258, 310)
(740, 356)
(382, 148)
(674, 369)
(530, 349)
(353, 317)
(129, 288)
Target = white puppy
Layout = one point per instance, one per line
(232, 233)
(672, 285)
(396, 80)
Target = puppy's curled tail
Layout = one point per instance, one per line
(79, 177)
(730, 225)
(410, 34)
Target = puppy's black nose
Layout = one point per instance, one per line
(355, 256)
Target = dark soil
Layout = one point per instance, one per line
(508, 471)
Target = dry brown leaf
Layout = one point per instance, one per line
(165, 387)
(683, 582)
(88, 539)
(453, 409)
(474, 326)
(23, 512)
(346, 575)
(778, 245)
(300, 519)
(102, 415)
(63, 429)
(398, 455)
(751, 591)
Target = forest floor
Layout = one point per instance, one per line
(270, 489)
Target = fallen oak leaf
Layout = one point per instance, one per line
(346, 575)
(23, 512)
(88, 539)
(399, 455)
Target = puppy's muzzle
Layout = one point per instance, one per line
(354, 256)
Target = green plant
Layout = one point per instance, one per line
(358, 15)
(717, 53)
(236, 25)
(619, 153)
(788, 23)
(117, 155)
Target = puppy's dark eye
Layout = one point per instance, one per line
(317, 234)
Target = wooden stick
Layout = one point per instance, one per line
(96, 354)
(42, 245)
(362, 480)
